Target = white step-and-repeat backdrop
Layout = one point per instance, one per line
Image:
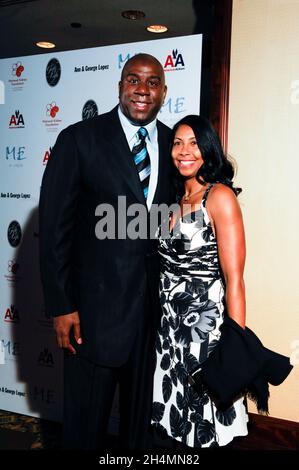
(42, 95)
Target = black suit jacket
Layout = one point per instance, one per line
(106, 280)
(240, 364)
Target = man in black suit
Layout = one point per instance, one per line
(103, 293)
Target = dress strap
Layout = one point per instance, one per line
(206, 193)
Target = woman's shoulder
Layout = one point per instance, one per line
(221, 196)
(220, 190)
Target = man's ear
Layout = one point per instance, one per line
(165, 92)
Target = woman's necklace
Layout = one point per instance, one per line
(186, 197)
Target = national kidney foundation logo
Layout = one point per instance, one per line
(18, 76)
(12, 275)
(17, 69)
(52, 109)
(52, 121)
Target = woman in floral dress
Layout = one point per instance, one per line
(202, 263)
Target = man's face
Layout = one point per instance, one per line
(142, 91)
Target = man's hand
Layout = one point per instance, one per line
(63, 325)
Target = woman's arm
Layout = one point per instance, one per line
(226, 217)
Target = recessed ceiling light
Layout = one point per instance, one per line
(133, 14)
(45, 45)
(157, 28)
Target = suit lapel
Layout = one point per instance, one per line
(121, 156)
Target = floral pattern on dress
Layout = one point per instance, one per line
(192, 301)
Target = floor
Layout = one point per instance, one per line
(25, 432)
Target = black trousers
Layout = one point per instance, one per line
(89, 391)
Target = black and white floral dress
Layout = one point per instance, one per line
(192, 300)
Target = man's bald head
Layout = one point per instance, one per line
(142, 89)
(147, 58)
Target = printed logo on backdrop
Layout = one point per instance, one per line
(174, 105)
(15, 155)
(17, 69)
(89, 110)
(91, 68)
(45, 358)
(174, 62)
(16, 121)
(9, 349)
(14, 233)
(9, 195)
(11, 315)
(122, 60)
(52, 122)
(42, 394)
(53, 72)
(47, 155)
(13, 268)
(52, 109)
(18, 81)
(13, 391)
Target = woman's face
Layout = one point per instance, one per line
(185, 152)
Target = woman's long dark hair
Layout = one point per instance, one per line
(216, 168)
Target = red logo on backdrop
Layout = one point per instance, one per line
(17, 81)
(174, 61)
(17, 69)
(47, 156)
(52, 109)
(52, 122)
(12, 315)
(12, 268)
(16, 121)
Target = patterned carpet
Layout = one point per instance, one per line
(38, 433)
(25, 432)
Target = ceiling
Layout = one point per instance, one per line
(24, 22)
